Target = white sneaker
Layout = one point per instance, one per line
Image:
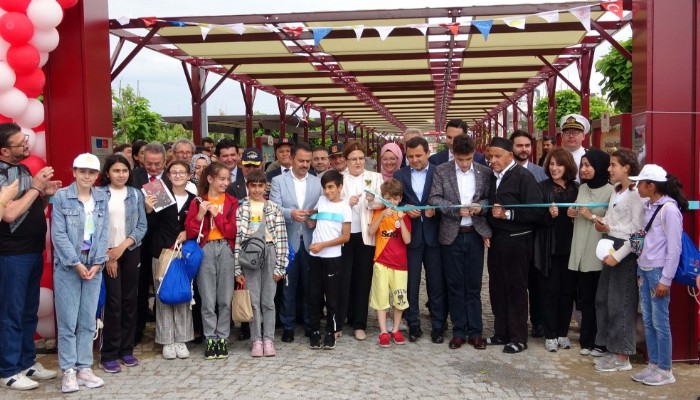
(564, 343)
(614, 365)
(644, 374)
(584, 351)
(603, 359)
(596, 352)
(37, 371)
(181, 350)
(69, 383)
(551, 345)
(88, 379)
(18, 382)
(169, 352)
(659, 377)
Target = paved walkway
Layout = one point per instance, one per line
(364, 370)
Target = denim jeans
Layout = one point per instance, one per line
(19, 303)
(76, 308)
(657, 328)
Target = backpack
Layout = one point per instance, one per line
(689, 263)
(176, 287)
(251, 253)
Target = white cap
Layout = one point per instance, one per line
(87, 160)
(574, 121)
(651, 172)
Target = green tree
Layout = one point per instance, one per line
(617, 77)
(568, 102)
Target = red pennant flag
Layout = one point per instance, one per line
(453, 27)
(614, 7)
(293, 32)
(149, 21)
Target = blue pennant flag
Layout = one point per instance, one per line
(484, 26)
(319, 34)
(177, 23)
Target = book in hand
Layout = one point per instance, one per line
(158, 190)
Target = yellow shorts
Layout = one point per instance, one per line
(388, 282)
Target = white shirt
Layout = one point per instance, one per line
(328, 230)
(191, 187)
(450, 155)
(117, 216)
(578, 154)
(499, 175)
(300, 189)
(466, 183)
(355, 186)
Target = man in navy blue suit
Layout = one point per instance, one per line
(454, 128)
(424, 249)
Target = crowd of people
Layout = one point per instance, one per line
(360, 238)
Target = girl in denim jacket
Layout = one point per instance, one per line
(80, 234)
(127, 226)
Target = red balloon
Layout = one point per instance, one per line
(15, 5)
(23, 59)
(16, 28)
(34, 164)
(67, 3)
(4, 119)
(31, 84)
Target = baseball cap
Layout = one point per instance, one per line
(335, 149)
(87, 160)
(284, 142)
(251, 156)
(651, 172)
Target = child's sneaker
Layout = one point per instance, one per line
(398, 337)
(585, 351)
(644, 374)
(551, 345)
(384, 340)
(315, 340)
(598, 352)
(329, 341)
(269, 348)
(129, 360)
(221, 350)
(110, 366)
(86, 378)
(564, 343)
(69, 383)
(210, 351)
(181, 350)
(614, 365)
(659, 377)
(257, 349)
(169, 352)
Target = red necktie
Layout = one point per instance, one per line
(152, 178)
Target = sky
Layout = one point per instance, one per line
(161, 80)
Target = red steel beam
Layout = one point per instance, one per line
(139, 46)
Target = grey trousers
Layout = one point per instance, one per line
(262, 289)
(616, 306)
(173, 322)
(215, 282)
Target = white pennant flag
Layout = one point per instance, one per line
(550, 16)
(584, 15)
(205, 30)
(384, 31)
(237, 28)
(264, 28)
(358, 31)
(515, 22)
(124, 19)
(421, 27)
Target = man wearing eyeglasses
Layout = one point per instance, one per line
(574, 128)
(184, 150)
(22, 242)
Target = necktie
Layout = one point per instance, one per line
(152, 178)
(286, 170)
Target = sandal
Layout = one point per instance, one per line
(512, 348)
(493, 340)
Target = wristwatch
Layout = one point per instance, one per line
(508, 214)
(593, 217)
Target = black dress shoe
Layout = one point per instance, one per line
(288, 336)
(245, 331)
(414, 333)
(437, 337)
(537, 331)
(478, 342)
(457, 342)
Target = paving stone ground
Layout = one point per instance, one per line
(361, 369)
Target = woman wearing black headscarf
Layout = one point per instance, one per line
(594, 188)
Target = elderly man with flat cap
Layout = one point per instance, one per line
(512, 244)
(574, 128)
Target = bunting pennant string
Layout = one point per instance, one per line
(149, 21)
(453, 28)
(484, 26)
(358, 31)
(421, 27)
(205, 28)
(236, 28)
(515, 22)
(124, 19)
(293, 32)
(177, 23)
(319, 34)
(384, 31)
(614, 7)
(551, 16)
(583, 14)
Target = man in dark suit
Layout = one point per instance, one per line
(454, 127)
(283, 152)
(226, 152)
(547, 144)
(408, 135)
(424, 248)
(464, 233)
(153, 168)
(512, 245)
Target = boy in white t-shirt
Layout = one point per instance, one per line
(332, 230)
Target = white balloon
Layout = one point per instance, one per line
(45, 303)
(13, 103)
(7, 77)
(3, 49)
(43, 58)
(39, 148)
(46, 327)
(45, 40)
(45, 14)
(31, 136)
(32, 116)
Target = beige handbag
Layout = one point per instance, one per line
(164, 260)
(241, 308)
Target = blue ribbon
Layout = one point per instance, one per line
(327, 216)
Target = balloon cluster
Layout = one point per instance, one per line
(27, 35)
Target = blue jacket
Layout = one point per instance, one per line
(136, 224)
(68, 225)
(424, 230)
